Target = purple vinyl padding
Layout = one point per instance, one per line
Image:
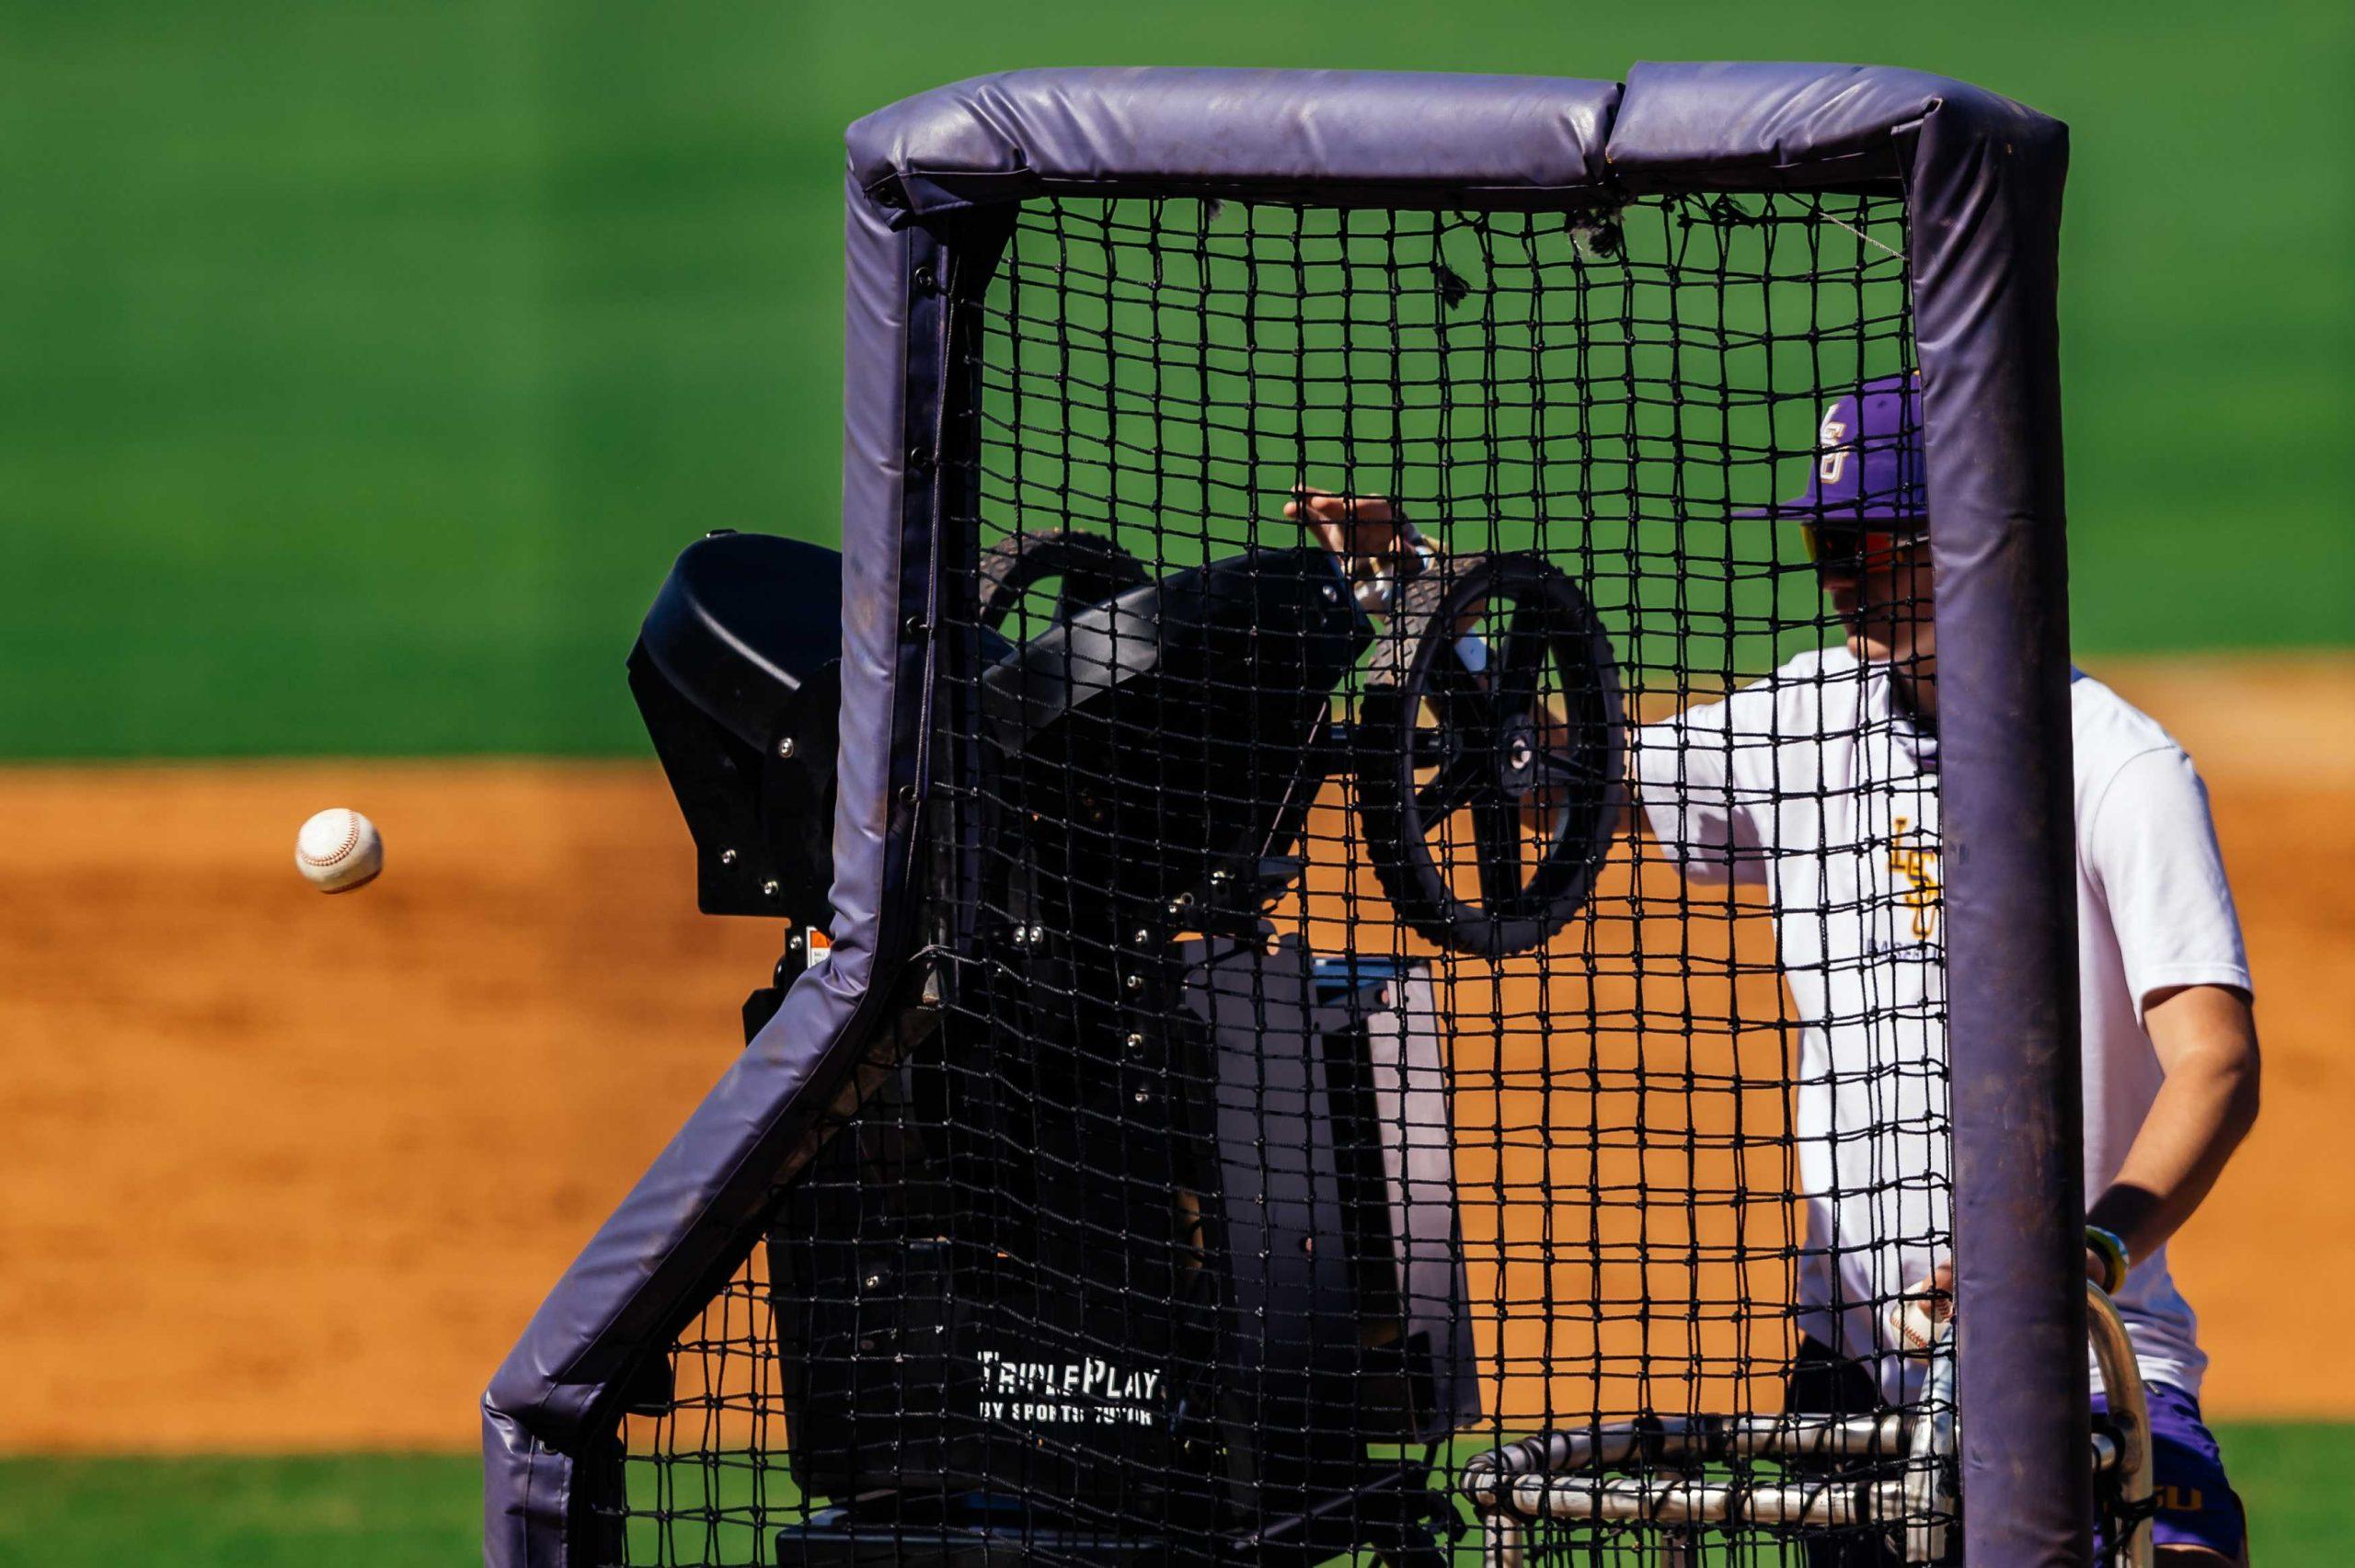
(684, 1228)
(1982, 176)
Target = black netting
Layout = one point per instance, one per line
(1342, 1077)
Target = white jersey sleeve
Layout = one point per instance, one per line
(1714, 778)
(2150, 851)
(1687, 774)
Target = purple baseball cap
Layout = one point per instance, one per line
(1868, 464)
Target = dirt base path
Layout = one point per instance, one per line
(287, 1172)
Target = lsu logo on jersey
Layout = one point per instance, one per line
(1913, 861)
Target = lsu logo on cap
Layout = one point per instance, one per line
(1831, 436)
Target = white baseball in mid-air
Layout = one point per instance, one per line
(338, 850)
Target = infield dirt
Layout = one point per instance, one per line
(287, 1172)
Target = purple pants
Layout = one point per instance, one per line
(2197, 1505)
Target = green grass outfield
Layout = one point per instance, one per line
(366, 364)
(383, 1511)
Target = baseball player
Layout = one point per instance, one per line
(1820, 783)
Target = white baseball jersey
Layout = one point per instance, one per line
(1815, 783)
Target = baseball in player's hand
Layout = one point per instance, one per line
(1925, 1308)
(1929, 1303)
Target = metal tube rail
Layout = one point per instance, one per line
(1675, 1500)
(1693, 1439)
(2130, 1413)
(1532, 1478)
(1535, 1478)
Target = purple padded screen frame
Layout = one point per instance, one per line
(1982, 178)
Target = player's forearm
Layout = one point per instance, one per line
(2207, 1045)
(1630, 825)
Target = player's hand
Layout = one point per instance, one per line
(1918, 1316)
(1356, 528)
